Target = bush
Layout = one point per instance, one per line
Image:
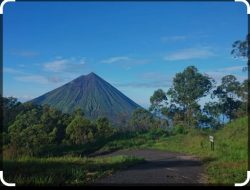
(179, 129)
(157, 133)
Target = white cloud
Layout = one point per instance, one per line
(149, 80)
(221, 72)
(82, 61)
(234, 68)
(146, 84)
(33, 78)
(65, 69)
(55, 79)
(64, 64)
(125, 62)
(56, 66)
(115, 59)
(24, 98)
(39, 79)
(217, 76)
(187, 54)
(11, 71)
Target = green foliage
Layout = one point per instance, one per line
(240, 48)
(243, 94)
(143, 120)
(33, 138)
(37, 127)
(188, 87)
(227, 94)
(10, 107)
(158, 100)
(212, 110)
(57, 171)
(28, 141)
(179, 129)
(80, 130)
(30, 127)
(227, 164)
(78, 111)
(104, 128)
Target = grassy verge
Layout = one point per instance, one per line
(63, 170)
(227, 164)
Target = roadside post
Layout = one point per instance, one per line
(211, 139)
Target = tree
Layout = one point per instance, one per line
(80, 130)
(33, 139)
(227, 94)
(142, 119)
(122, 120)
(188, 87)
(240, 50)
(23, 121)
(158, 100)
(213, 111)
(78, 111)
(27, 136)
(11, 107)
(104, 128)
(55, 123)
(243, 94)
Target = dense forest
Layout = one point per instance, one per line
(29, 128)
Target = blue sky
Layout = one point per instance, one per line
(138, 47)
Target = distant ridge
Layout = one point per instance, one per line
(95, 96)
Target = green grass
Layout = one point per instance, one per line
(227, 164)
(63, 170)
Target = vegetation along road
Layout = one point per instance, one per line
(159, 168)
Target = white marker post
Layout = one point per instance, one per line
(211, 139)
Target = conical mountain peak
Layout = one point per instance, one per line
(92, 75)
(92, 94)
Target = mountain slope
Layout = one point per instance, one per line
(93, 95)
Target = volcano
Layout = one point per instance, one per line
(92, 94)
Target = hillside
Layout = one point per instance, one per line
(227, 164)
(93, 95)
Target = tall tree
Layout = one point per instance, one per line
(158, 100)
(142, 119)
(80, 130)
(104, 128)
(212, 114)
(227, 94)
(11, 107)
(240, 50)
(188, 87)
(240, 47)
(243, 94)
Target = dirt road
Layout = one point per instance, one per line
(159, 168)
